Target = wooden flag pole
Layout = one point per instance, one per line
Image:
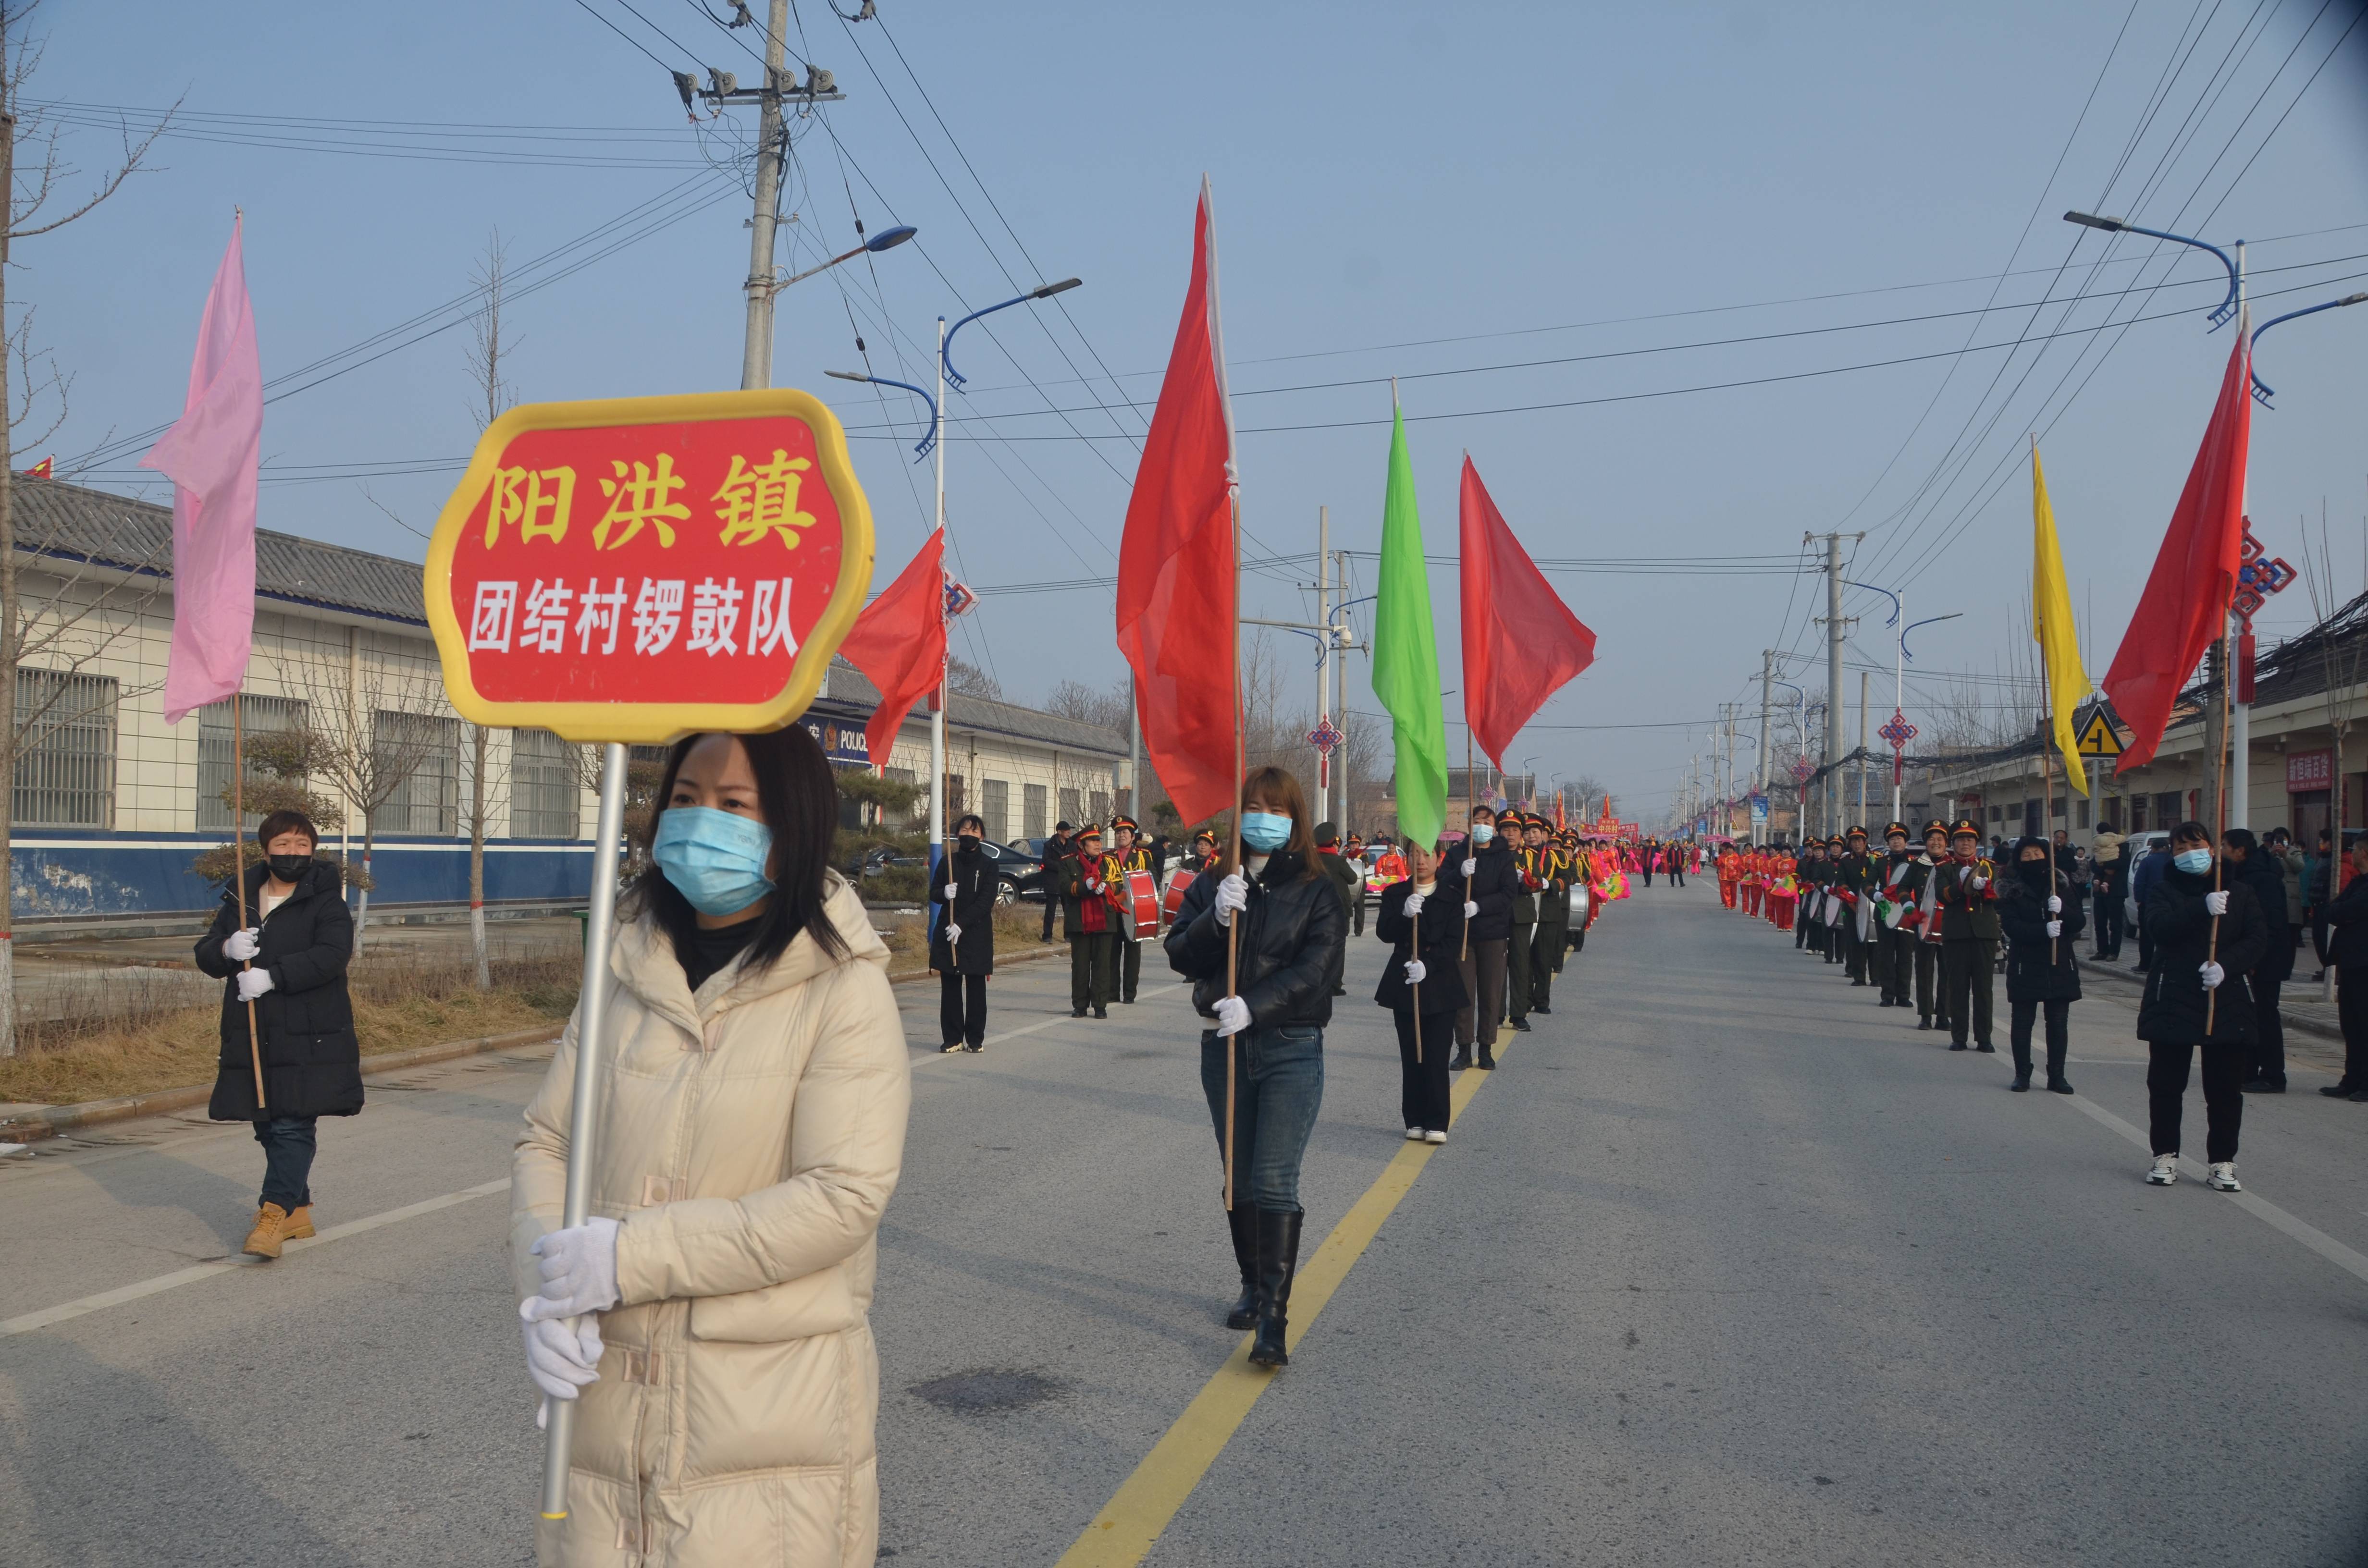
(238, 877)
(2047, 824)
(1471, 845)
(2220, 805)
(1233, 927)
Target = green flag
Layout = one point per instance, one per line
(1405, 654)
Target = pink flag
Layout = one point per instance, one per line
(211, 455)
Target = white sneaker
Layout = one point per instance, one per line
(2165, 1171)
(1414, 1134)
(2223, 1178)
(1434, 1136)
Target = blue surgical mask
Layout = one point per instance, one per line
(1482, 833)
(2195, 862)
(714, 858)
(1265, 832)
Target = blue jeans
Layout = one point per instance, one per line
(287, 1144)
(1278, 1087)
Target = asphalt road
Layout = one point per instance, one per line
(1724, 1266)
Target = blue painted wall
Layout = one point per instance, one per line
(59, 872)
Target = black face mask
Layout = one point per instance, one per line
(2035, 873)
(288, 867)
(966, 845)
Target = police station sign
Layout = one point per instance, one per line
(637, 569)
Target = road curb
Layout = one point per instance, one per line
(58, 1120)
(2295, 1021)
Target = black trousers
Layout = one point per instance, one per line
(1648, 874)
(1422, 1085)
(288, 1145)
(1676, 876)
(1093, 969)
(2318, 929)
(1517, 948)
(1545, 962)
(1857, 953)
(1357, 909)
(2109, 925)
(1893, 963)
(962, 1009)
(1130, 967)
(2269, 1051)
(2224, 1099)
(1968, 975)
(1484, 983)
(1803, 923)
(2059, 1033)
(1838, 939)
(1928, 970)
(2352, 1013)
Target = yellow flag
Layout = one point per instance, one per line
(2052, 628)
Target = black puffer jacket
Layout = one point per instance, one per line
(1492, 888)
(1292, 942)
(971, 875)
(2032, 973)
(2173, 1010)
(1441, 920)
(312, 1058)
(2267, 879)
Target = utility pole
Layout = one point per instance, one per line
(756, 352)
(1342, 641)
(1323, 662)
(1761, 782)
(2241, 710)
(1861, 769)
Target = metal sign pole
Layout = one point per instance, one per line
(591, 1009)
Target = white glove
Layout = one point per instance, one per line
(1092, 886)
(253, 983)
(1413, 904)
(1233, 893)
(1977, 882)
(1233, 1015)
(1414, 972)
(2216, 902)
(2054, 906)
(579, 1271)
(560, 1358)
(2212, 975)
(954, 934)
(949, 892)
(1470, 868)
(241, 946)
(1470, 909)
(2055, 928)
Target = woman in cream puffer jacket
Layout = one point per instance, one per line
(751, 1133)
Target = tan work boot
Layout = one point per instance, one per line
(270, 1231)
(300, 1224)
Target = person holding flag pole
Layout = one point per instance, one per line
(1262, 939)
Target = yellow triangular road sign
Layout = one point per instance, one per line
(2097, 737)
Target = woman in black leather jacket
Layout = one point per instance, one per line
(1288, 931)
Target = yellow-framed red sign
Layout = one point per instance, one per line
(640, 569)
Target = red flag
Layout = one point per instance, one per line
(899, 644)
(1521, 642)
(2185, 603)
(1176, 563)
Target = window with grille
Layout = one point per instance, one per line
(428, 750)
(955, 802)
(65, 751)
(545, 802)
(994, 805)
(257, 716)
(1031, 811)
(1101, 801)
(1073, 806)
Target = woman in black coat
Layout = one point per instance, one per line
(290, 963)
(2041, 913)
(2195, 995)
(962, 949)
(1425, 930)
(1286, 929)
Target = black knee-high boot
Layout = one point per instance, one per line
(1242, 1219)
(1277, 1260)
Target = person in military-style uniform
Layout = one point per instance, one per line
(1922, 920)
(1965, 897)
(1898, 879)
(1836, 906)
(1128, 853)
(1205, 851)
(1090, 923)
(1553, 914)
(1515, 826)
(1808, 872)
(1857, 880)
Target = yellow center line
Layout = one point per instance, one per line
(1122, 1535)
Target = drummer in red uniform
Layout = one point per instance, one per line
(1126, 855)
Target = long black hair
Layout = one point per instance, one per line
(799, 799)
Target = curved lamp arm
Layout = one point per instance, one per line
(2220, 312)
(1886, 592)
(1913, 625)
(2262, 388)
(1046, 292)
(926, 442)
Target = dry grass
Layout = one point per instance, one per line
(117, 1047)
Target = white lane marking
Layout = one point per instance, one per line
(191, 1276)
(2253, 1203)
(1058, 1018)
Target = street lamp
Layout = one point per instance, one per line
(2262, 389)
(926, 442)
(1046, 292)
(2236, 264)
(886, 239)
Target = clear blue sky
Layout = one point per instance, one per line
(1387, 177)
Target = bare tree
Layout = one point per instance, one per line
(32, 382)
(1083, 704)
(971, 681)
(370, 758)
(485, 351)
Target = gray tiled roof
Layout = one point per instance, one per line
(73, 523)
(967, 713)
